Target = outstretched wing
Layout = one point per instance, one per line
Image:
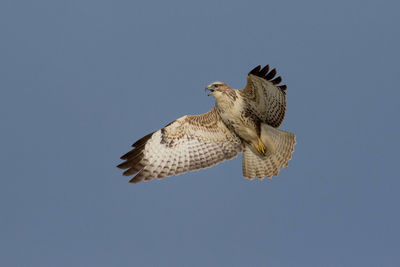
(189, 143)
(266, 98)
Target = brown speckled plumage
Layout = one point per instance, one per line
(239, 121)
(266, 98)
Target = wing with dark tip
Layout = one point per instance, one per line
(187, 144)
(265, 96)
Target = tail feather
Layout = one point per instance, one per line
(280, 146)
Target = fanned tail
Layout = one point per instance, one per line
(280, 146)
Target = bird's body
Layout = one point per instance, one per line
(241, 121)
(237, 115)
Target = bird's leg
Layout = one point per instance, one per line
(260, 147)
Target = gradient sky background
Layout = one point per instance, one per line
(82, 80)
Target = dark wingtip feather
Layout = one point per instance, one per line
(133, 153)
(127, 155)
(142, 140)
(138, 178)
(255, 71)
(264, 71)
(271, 74)
(283, 87)
(277, 80)
(127, 172)
(132, 170)
(121, 166)
(132, 162)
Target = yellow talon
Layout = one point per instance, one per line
(261, 147)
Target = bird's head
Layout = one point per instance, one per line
(218, 90)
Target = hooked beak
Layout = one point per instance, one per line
(210, 88)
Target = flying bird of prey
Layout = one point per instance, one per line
(245, 120)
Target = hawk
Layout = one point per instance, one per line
(242, 121)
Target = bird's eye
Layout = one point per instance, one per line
(216, 85)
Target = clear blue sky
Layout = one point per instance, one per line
(80, 81)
